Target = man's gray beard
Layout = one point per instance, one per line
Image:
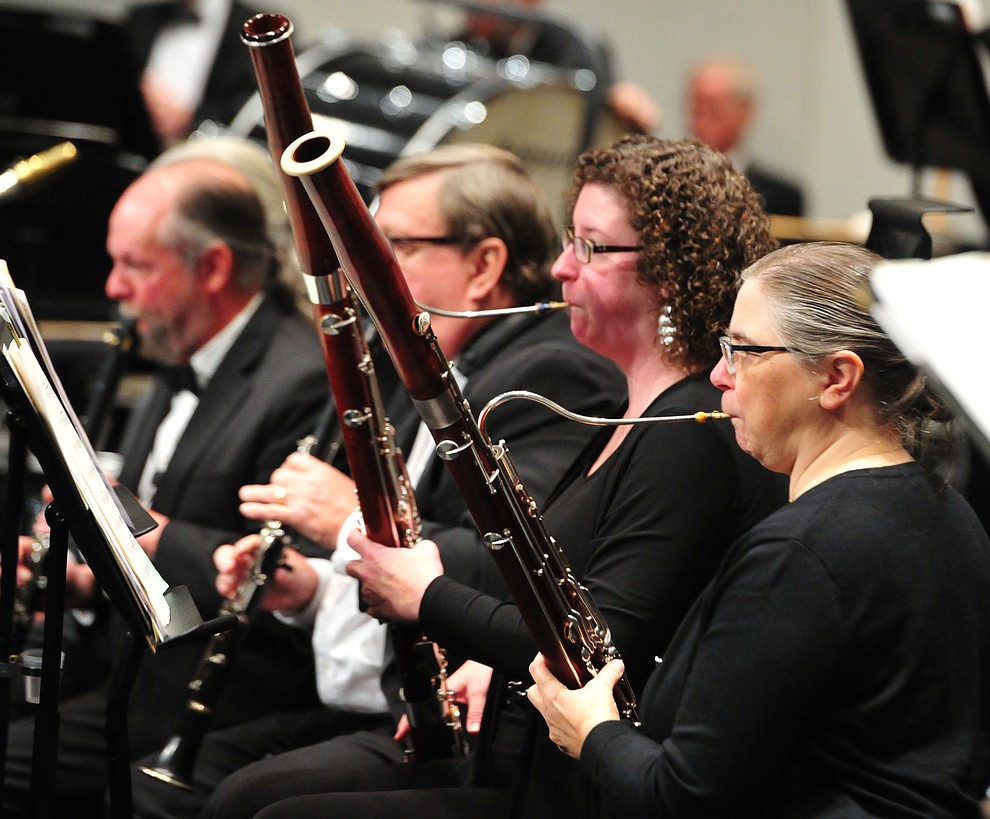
(156, 345)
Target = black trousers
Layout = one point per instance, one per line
(227, 751)
(361, 774)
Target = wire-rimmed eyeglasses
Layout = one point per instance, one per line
(729, 351)
(585, 249)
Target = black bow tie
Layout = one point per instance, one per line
(181, 378)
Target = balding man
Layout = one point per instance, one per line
(721, 105)
(195, 262)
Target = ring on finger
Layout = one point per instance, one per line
(280, 493)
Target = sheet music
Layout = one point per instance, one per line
(935, 311)
(71, 442)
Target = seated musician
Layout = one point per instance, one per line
(196, 249)
(643, 515)
(837, 663)
(471, 231)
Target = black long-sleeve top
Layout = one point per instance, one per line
(836, 666)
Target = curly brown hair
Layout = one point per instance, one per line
(700, 224)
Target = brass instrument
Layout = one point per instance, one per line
(28, 171)
(377, 467)
(565, 624)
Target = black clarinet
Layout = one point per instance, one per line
(177, 758)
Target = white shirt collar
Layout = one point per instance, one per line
(206, 360)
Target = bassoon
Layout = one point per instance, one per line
(563, 620)
(377, 467)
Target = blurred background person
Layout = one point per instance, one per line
(722, 103)
(193, 65)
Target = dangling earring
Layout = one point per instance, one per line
(665, 328)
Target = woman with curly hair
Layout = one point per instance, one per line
(837, 664)
(660, 233)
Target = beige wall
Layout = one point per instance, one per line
(816, 123)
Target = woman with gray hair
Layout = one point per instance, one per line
(837, 663)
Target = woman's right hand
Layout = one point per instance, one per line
(469, 685)
(571, 715)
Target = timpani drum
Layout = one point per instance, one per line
(396, 96)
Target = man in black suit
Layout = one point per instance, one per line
(195, 263)
(471, 232)
(721, 104)
(194, 66)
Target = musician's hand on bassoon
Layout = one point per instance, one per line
(393, 580)
(570, 715)
(469, 684)
(305, 494)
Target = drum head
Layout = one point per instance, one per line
(398, 97)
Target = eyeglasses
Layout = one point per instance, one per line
(584, 249)
(729, 351)
(399, 241)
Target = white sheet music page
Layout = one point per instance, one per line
(94, 491)
(936, 312)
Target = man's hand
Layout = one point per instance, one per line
(305, 494)
(393, 580)
(149, 540)
(289, 589)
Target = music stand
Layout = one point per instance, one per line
(926, 84)
(104, 528)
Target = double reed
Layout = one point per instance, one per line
(565, 624)
(377, 467)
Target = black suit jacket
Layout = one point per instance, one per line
(231, 80)
(268, 393)
(780, 196)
